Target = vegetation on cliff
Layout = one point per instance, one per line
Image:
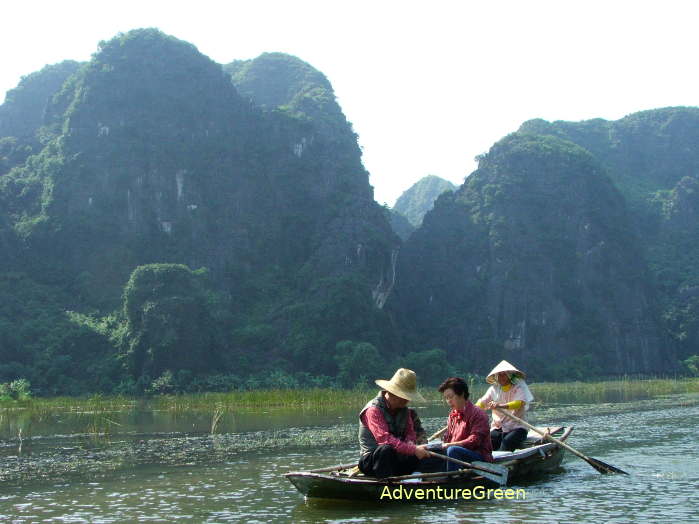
(417, 200)
(152, 163)
(168, 224)
(652, 158)
(534, 260)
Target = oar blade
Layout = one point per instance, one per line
(603, 467)
(495, 472)
(597, 464)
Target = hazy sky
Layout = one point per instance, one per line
(427, 85)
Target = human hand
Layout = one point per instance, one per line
(421, 452)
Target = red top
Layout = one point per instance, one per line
(469, 428)
(373, 419)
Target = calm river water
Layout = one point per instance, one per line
(170, 470)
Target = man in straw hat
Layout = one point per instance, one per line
(508, 391)
(387, 429)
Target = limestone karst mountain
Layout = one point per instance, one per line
(419, 198)
(652, 157)
(151, 155)
(534, 259)
(171, 224)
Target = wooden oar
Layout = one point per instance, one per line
(339, 467)
(597, 464)
(438, 433)
(439, 474)
(494, 472)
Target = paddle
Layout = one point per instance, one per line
(597, 464)
(339, 467)
(438, 434)
(437, 475)
(493, 472)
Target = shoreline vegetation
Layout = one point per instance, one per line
(616, 390)
(63, 438)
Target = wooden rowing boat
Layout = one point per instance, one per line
(341, 482)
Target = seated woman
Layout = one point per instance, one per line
(508, 391)
(467, 436)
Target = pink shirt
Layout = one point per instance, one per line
(513, 393)
(468, 428)
(373, 419)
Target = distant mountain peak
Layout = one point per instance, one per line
(415, 202)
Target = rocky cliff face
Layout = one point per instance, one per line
(653, 159)
(152, 155)
(643, 152)
(24, 113)
(416, 201)
(23, 116)
(353, 232)
(533, 259)
(401, 225)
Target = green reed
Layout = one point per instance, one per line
(262, 398)
(98, 407)
(619, 390)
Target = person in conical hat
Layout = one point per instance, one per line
(508, 391)
(387, 428)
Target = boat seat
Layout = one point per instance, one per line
(533, 440)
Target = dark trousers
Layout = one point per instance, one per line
(507, 441)
(385, 461)
(434, 464)
(462, 454)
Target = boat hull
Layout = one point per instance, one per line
(319, 485)
(523, 464)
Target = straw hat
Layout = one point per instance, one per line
(507, 368)
(403, 384)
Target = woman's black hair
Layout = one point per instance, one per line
(456, 384)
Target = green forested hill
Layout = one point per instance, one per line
(171, 224)
(653, 159)
(284, 83)
(151, 156)
(535, 260)
(23, 113)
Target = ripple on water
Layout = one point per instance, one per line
(646, 442)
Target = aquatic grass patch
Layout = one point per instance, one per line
(620, 390)
(93, 416)
(264, 398)
(71, 404)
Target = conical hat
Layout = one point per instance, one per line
(507, 368)
(403, 384)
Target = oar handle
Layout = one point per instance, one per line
(438, 434)
(339, 467)
(543, 434)
(460, 462)
(449, 459)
